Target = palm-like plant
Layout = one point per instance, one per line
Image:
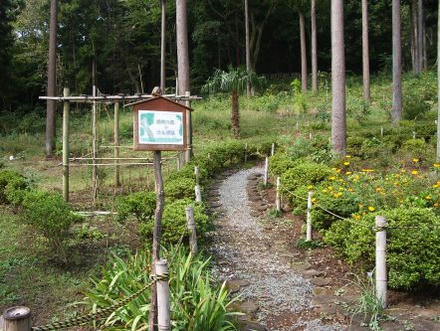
(233, 81)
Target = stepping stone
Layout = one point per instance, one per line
(262, 207)
(248, 307)
(212, 193)
(320, 281)
(213, 200)
(252, 177)
(319, 291)
(235, 285)
(215, 204)
(253, 326)
(255, 213)
(254, 198)
(313, 273)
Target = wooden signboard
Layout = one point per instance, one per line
(160, 125)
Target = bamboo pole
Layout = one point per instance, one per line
(381, 264)
(266, 171)
(272, 151)
(94, 150)
(17, 319)
(116, 148)
(197, 175)
(309, 217)
(163, 297)
(192, 229)
(66, 110)
(198, 193)
(189, 151)
(278, 194)
(160, 202)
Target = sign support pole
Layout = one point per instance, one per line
(189, 152)
(66, 110)
(160, 201)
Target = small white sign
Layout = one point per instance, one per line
(160, 127)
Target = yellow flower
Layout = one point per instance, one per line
(332, 178)
(313, 200)
(310, 187)
(414, 172)
(346, 163)
(436, 165)
(428, 197)
(378, 189)
(416, 160)
(348, 173)
(436, 204)
(371, 208)
(403, 171)
(348, 156)
(356, 216)
(367, 170)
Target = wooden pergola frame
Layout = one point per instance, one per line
(115, 100)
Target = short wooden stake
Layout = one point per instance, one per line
(266, 171)
(192, 229)
(309, 217)
(197, 174)
(414, 135)
(278, 197)
(17, 319)
(163, 297)
(198, 193)
(381, 264)
(117, 143)
(272, 151)
(310, 136)
(297, 126)
(66, 111)
(381, 132)
(178, 161)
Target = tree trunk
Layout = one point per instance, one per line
(248, 49)
(420, 54)
(302, 28)
(163, 49)
(338, 78)
(314, 48)
(157, 231)
(415, 36)
(182, 46)
(365, 51)
(235, 116)
(438, 89)
(183, 60)
(51, 81)
(396, 113)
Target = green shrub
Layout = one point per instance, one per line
(413, 257)
(174, 224)
(197, 303)
(180, 188)
(141, 205)
(9, 177)
(16, 190)
(307, 173)
(280, 163)
(50, 215)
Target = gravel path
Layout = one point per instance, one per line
(248, 260)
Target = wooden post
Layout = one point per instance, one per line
(192, 229)
(381, 132)
(272, 151)
(414, 135)
(66, 111)
(160, 201)
(94, 150)
(189, 151)
(163, 297)
(278, 197)
(117, 143)
(198, 193)
(381, 264)
(17, 319)
(197, 174)
(266, 171)
(309, 217)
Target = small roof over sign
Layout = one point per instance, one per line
(159, 97)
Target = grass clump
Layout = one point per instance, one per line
(197, 303)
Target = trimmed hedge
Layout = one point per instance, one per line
(413, 257)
